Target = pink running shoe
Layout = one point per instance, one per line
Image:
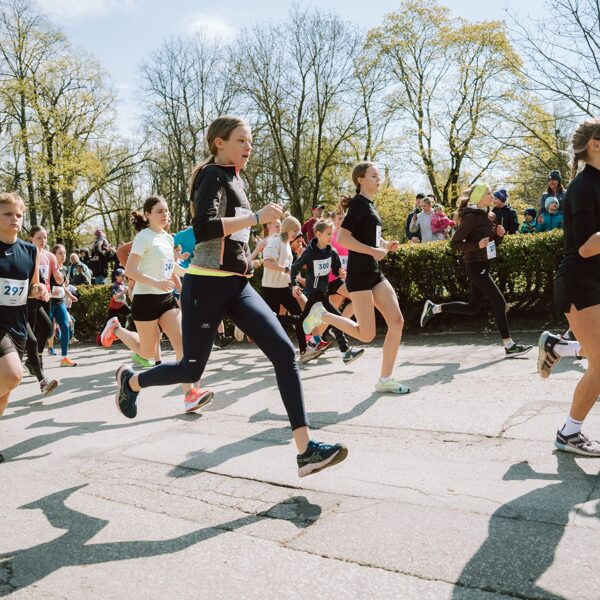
(197, 398)
(107, 337)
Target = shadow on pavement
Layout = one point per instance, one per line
(521, 543)
(26, 567)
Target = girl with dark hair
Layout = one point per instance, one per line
(360, 232)
(477, 237)
(216, 285)
(151, 264)
(577, 289)
(555, 189)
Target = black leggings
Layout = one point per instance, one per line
(34, 361)
(321, 297)
(39, 321)
(482, 286)
(205, 302)
(276, 297)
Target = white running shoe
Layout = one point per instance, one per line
(391, 386)
(314, 318)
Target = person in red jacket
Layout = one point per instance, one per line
(308, 227)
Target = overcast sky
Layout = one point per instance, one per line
(122, 33)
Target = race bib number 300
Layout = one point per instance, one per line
(322, 267)
(13, 292)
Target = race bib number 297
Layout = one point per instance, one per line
(13, 292)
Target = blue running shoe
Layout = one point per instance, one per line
(319, 456)
(125, 398)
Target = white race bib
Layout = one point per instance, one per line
(344, 261)
(13, 292)
(244, 234)
(378, 236)
(322, 267)
(45, 271)
(491, 250)
(58, 291)
(168, 267)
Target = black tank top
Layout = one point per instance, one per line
(17, 264)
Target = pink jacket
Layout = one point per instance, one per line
(439, 223)
(343, 252)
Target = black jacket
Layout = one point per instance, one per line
(474, 225)
(320, 263)
(507, 217)
(219, 192)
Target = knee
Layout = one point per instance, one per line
(12, 378)
(396, 323)
(282, 352)
(367, 335)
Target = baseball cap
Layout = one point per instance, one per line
(321, 206)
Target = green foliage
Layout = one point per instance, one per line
(91, 310)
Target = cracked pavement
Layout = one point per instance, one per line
(452, 492)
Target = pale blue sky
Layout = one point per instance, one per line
(122, 33)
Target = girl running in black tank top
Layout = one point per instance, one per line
(577, 286)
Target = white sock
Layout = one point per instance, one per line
(571, 426)
(564, 348)
(508, 343)
(437, 309)
(383, 379)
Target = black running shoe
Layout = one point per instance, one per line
(125, 398)
(1, 458)
(547, 358)
(223, 340)
(577, 443)
(319, 456)
(517, 350)
(427, 312)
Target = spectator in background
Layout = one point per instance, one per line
(78, 273)
(421, 222)
(551, 218)
(555, 190)
(506, 215)
(102, 254)
(100, 239)
(440, 223)
(414, 237)
(307, 228)
(529, 222)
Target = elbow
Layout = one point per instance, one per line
(585, 251)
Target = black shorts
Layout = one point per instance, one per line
(9, 343)
(334, 286)
(151, 307)
(360, 281)
(575, 289)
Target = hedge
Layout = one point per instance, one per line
(524, 271)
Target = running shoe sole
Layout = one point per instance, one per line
(353, 358)
(575, 450)
(106, 341)
(52, 385)
(206, 400)
(118, 377)
(334, 459)
(543, 356)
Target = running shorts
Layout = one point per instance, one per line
(151, 307)
(359, 281)
(9, 343)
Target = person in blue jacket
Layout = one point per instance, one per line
(551, 218)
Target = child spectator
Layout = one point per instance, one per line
(529, 224)
(440, 223)
(551, 218)
(118, 306)
(78, 273)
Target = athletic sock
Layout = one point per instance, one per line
(565, 348)
(571, 426)
(317, 339)
(508, 343)
(383, 379)
(437, 309)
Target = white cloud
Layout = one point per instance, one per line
(83, 9)
(211, 26)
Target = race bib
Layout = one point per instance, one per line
(13, 292)
(58, 291)
(344, 261)
(322, 268)
(491, 250)
(378, 236)
(168, 267)
(45, 271)
(244, 234)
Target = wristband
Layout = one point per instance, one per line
(256, 217)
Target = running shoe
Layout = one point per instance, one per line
(47, 386)
(223, 340)
(314, 317)
(51, 351)
(391, 386)
(319, 456)
(238, 334)
(427, 312)
(107, 337)
(517, 350)
(1, 458)
(352, 354)
(125, 398)
(197, 398)
(309, 354)
(547, 358)
(577, 443)
(323, 345)
(141, 361)
(65, 361)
